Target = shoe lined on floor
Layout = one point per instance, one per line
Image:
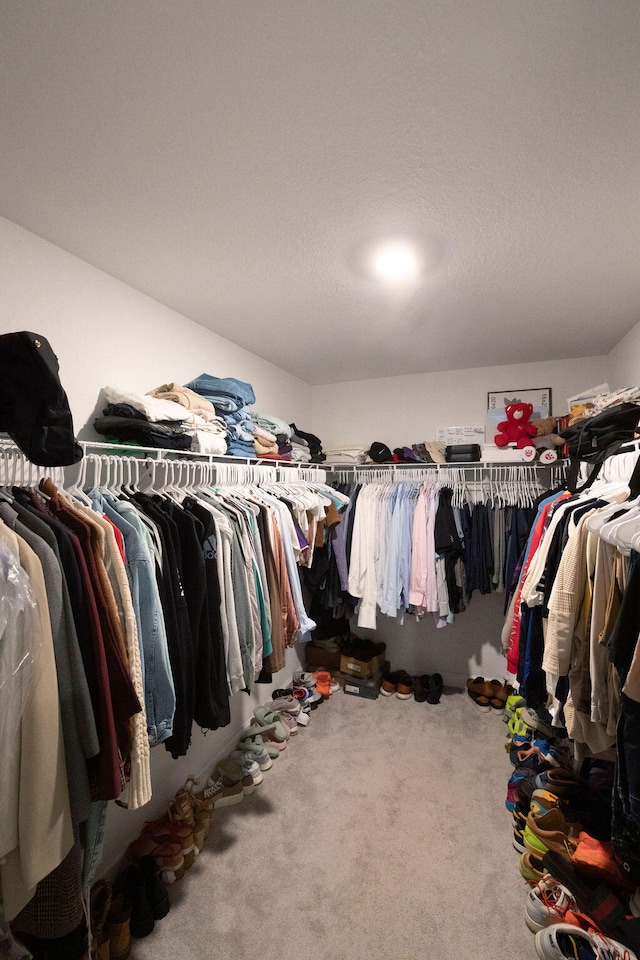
(551, 832)
(482, 691)
(285, 704)
(156, 891)
(562, 940)
(501, 693)
(303, 679)
(272, 723)
(390, 683)
(436, 687)
(519, 826)
(547, 903)
(167, 854)
(250, 767)
(100, 907)
(232, 773)
(532, 867)
(222, 791)
(134, 890)
(254, 746)
(404, 686)
(421, 687)
(255, 740)
(180, 811)
(323, 683)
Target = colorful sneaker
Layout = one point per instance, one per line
(547, 903)
(562, 940)
(551, 832)
(513, 702)
(519, 826)
(532, 867)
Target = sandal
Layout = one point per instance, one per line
(272, 723)
(481, 692)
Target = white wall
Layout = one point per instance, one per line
(106, 333)
(623, 362)
(409, 409)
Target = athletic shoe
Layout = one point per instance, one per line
(223, 791)
(532, 867)
(166, 853)
(547, 903)
(249, 766)
(163, 829)
(303, 679)
(542, 801)
(335, 686)
(513, 702)
(537, 721)
(551, 832)
(287, 704)
(519, 826)
(562, 940)
(564, 783)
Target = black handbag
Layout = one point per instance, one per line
(34, 409)
(463, 453)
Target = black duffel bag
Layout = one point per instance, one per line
(594, 439)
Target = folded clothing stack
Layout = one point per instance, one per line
(265, 443)
(347, 455)
(151, 421)
(277, 428)
(207, 429)
(313, 444)
(300, 451)
(231, 399)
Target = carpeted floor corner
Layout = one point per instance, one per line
(380, 833)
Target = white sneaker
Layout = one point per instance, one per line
(547, 903)
(562, 942)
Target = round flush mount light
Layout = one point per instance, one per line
(396, 262)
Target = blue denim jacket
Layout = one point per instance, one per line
(159, 691)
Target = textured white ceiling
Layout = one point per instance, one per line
(229, 157)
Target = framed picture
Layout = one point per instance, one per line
(497, 400)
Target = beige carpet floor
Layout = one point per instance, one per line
(380, 833)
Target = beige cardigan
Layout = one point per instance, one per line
(37, 831)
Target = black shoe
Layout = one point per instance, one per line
(133, 884)
(421, 687)
(156, 891)
(435, 688)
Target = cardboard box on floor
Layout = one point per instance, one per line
(316, 656)
(359, 687)
(361, 668)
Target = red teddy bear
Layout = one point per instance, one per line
(516, 428)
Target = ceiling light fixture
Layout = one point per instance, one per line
(396, 262)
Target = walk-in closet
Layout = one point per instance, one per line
(319, 480)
